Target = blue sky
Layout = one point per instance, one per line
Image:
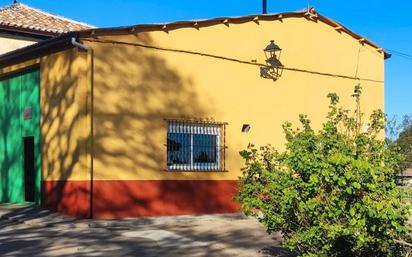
(387, 23)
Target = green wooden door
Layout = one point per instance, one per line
(11, 145)
(19, 119)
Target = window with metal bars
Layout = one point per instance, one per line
(195, 146)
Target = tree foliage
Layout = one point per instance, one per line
(404, 142)
(331, 192)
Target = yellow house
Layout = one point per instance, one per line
(149, 120)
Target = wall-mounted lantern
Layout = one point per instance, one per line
(273, 69)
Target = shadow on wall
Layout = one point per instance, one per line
(64, 141)
(135, 90)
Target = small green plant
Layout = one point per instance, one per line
(332, 192)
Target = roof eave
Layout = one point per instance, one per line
(361, 39)
(310, 14)
(185, 24)
(31, 33)
(387, 55)
(37, 50)
(64, 41)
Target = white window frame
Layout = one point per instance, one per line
(193, 128)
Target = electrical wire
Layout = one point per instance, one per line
(105, 41)
(400, 54)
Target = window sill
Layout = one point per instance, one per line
(197, 171)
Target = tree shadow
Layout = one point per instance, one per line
(275, 251)
(65, 133)
(135, 91)
(213, 236)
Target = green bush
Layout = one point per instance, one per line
(399, 134)
(332, 192)
(404, 142)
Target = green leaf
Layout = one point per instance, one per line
(314, 178)
(356, 185)
(342, 182)
(379, 206)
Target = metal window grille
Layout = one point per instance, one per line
(195, 146)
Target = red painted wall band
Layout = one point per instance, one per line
(67, 197)
(139, 198)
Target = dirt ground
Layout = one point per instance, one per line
(27, 231)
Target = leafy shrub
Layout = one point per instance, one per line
(400, 135)
(332, 192)
(405, 143)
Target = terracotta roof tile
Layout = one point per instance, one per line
(21, 16)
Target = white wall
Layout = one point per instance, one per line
(10, 42)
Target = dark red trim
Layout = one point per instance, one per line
(141, 198)
(67, 197)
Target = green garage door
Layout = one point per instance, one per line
(20, 172)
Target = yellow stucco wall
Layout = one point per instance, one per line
(10, 42)
(65, 120)
(65, 113)
(136, 88)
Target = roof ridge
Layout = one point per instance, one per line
(7, 7)
(48, 14)
(207, 19)
(309, 13)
